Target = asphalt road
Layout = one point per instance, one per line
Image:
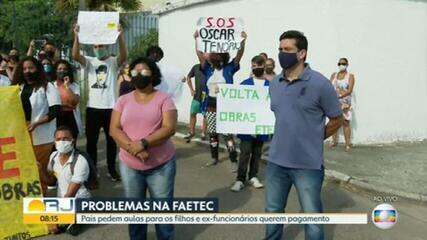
(195, 180)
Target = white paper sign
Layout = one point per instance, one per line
(98, 27)
(244, 109)
(219, 34)
(171, 82)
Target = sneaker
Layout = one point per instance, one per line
(212, 162)
(233, 167)
(203, 137)
(255, 183)
(114, 176)
(73, 229)
(188, 137)
(237, 186)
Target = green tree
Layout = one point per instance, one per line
(144, 42)
(101, 5)
(24, 20)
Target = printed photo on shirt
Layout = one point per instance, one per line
(101, 77)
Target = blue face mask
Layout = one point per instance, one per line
(287, 60)
(47, 68)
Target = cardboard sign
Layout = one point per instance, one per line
(219, 35)
(244, 109)
(19, 176)
(98, 27)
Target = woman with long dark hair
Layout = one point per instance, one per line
(41, 103)
(69, 90)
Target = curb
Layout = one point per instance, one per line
(342, 178)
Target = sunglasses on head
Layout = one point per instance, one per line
(342, 64)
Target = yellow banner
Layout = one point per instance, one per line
(19, 176)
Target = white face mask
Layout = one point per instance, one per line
(342, 68)
(64, 146)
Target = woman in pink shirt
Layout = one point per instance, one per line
(142, 123)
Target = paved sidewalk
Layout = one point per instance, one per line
(193, 179)
(394, 170)
(398, 169)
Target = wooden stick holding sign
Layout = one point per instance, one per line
(219, 35)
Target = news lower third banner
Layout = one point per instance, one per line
(162, 211)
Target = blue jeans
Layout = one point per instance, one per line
(308, 184)
(160, 183)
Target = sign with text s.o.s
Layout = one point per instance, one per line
(219, 34)
(244, 110)
(19, 176)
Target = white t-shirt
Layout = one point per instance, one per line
(102, 79)
(41, 100)
(259, 82)
(4, 81)
(64, 176)
(216, 78)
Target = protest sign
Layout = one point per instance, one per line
(98, 27)
(19, 175)
(244, 109)
(171, 82)
(219, 35)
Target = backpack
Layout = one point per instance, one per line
(91, 181)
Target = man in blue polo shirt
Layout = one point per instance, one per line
(301, 99)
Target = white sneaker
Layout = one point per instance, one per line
(233, 167)
(255, 183)
(237, 186)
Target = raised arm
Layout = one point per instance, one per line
(122, 46)
(30, 51)
(199, 54)
(72, 99)
(241, 51)
(76, 48)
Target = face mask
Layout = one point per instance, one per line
(50, 54)
(47, 68)
(287, 60)
(342, 68)
(41, 56)
(30, 77)
(64, 146)
(61, 75)
(140, 81)
(269, 70)
(101, 53)
(258, 72)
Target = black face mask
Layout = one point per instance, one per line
(140, 81)
(30, 77)
(258, 72)
(287, 60)
(269, 70)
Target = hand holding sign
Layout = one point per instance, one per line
(219, 35)
(98, 27)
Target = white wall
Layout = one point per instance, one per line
(384, 40)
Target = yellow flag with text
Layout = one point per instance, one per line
(19, 175)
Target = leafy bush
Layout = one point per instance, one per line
(143, 43)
